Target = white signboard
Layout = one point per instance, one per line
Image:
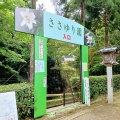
(45, 81)
(85, 66)
(8, 108)
(39, 66)
(87, 91)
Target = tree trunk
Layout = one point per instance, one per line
(32, 51)
(106, 29)
(82, 12)
(32, 59)
(70, 86)
(33, 4)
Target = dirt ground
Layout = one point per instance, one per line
(97, 111)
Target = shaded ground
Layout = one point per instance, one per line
(99, 110)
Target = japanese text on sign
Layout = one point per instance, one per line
(87, 91)
(61, 28)
(39, 66)
(41, 49)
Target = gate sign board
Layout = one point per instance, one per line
(53, 26)
(89, 38)
(60, 28)
(57, 27)
(8, 109)
(29, 21)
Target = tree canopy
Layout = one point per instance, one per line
(15, 46)
(99, 16)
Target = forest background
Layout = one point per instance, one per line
(102, 17)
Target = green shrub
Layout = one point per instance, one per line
(98, 84)
(116, 82)
(98, 69)
(24, 92)
(24, 98)
(75, 81)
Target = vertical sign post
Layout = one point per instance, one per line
(40, 76)
(87, 91)
(85, 74)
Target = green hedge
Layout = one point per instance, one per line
(24, 92)
(24, 98)
(98, 84)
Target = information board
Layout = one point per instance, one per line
(8, 108)
(87, 91)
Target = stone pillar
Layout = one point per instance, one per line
(109, 84)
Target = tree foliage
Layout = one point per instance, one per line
(55, 82)
(95, 21)
(14, 46)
